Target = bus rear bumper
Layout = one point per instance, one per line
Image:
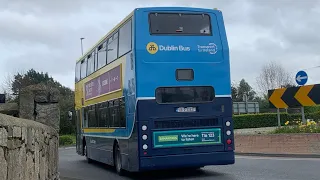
(187, 160)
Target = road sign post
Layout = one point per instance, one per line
(301, 79)
(245, 99)
(279, 120)
(303, 118)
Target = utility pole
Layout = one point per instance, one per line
(81, 45)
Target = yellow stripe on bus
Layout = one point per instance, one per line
(97, 130)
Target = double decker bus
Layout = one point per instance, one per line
(155, 92)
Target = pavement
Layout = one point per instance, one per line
(75, 167)
(252, 131)
(259, 142)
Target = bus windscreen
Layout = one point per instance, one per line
(180, 23)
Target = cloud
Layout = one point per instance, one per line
(45, 35)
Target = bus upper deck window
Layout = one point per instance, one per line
(180, 23)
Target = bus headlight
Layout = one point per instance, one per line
(145, 147)
(228, 133)
(144, 137)
(228, 123)
(144, 127)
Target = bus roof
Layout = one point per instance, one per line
(174, 8)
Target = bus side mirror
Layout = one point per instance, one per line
(70, 115)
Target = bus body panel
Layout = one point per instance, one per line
(134, 163)
(158, 69)
(151, 67)
(100, 141)
(210, 116)
(101, 149)
(183, 160)
(128, 87)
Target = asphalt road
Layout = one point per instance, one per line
(75, 167)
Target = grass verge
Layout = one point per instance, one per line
(67, 140)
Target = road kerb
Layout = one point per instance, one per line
(279, 155)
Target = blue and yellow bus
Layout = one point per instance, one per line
(155, 92)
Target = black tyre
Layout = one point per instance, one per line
(118, 160)
(85, 150)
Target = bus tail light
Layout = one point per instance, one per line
(228, 123)
(229, 141)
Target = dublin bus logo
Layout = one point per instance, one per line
(152, 48)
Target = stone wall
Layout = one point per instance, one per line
(9, 109)
(304, 144)
(28, 150)
(40, 103)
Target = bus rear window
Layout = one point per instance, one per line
(180, 23)
(187, 94)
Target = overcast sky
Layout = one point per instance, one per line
(44, 35)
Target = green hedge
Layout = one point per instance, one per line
(268, 119)
(67, 140)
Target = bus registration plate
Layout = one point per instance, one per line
(176, 138)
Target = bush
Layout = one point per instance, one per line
(67, 140)
(268, 119)
(312, 109)
(314, 116)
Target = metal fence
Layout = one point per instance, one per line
(245, 107)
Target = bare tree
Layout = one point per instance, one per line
(6, 86)
(8, 80)
(272, 76)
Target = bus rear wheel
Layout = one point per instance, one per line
(85, 150)
(117, 159)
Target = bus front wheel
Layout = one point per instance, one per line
(117, 159)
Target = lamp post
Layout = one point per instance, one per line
(81, 45)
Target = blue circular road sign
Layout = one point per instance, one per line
(301, 78)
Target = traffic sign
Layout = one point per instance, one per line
(301, 78)
(295, 96)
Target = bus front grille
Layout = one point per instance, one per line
(188, 123)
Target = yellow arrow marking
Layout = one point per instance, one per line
(276, 100)
(302, 96)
